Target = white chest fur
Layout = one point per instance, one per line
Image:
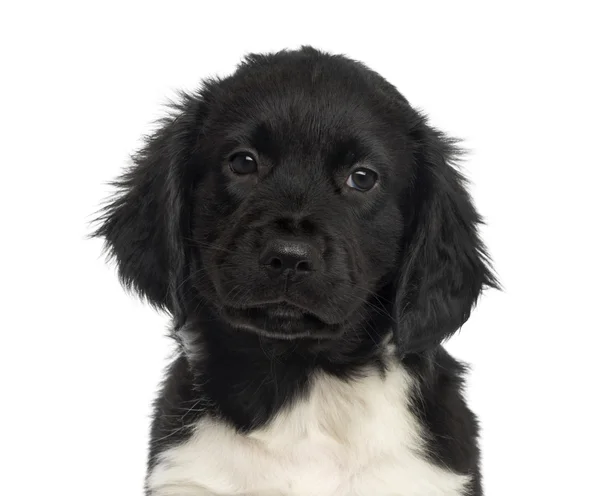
(346, 439)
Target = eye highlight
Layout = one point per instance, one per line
(362, 179)
(243, 163)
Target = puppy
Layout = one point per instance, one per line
(308, 233)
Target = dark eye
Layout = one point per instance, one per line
(362, 179)
(243, 163)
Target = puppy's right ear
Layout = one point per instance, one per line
(145, 223)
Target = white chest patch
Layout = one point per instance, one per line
(353, 438)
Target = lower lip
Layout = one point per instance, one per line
(281, 321)
(278, 312)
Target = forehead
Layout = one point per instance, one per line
(281, 112)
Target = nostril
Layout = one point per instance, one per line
(276, 263)
(303, 266)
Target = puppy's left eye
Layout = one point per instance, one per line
(362, 179)
(243, 163)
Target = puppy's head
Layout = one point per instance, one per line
(301, 197)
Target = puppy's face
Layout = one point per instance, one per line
(297, 220)
(299, 198)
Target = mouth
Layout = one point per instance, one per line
(280, 320)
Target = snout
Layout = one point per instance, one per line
(286, 277)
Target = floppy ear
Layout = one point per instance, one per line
(444, 265)
(144, 224)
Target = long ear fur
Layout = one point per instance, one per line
(444, 262)
(144, 224)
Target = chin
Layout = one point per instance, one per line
(314, 244)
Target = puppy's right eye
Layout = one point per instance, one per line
(243, 163)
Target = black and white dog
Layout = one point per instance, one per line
(308, 233)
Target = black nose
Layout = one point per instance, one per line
(281, 256)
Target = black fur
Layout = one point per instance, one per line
(186, 232)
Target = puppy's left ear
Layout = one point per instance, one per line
(144, 224)
(444, 265)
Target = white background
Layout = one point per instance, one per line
(80, 359)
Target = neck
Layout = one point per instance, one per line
(251, 377)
